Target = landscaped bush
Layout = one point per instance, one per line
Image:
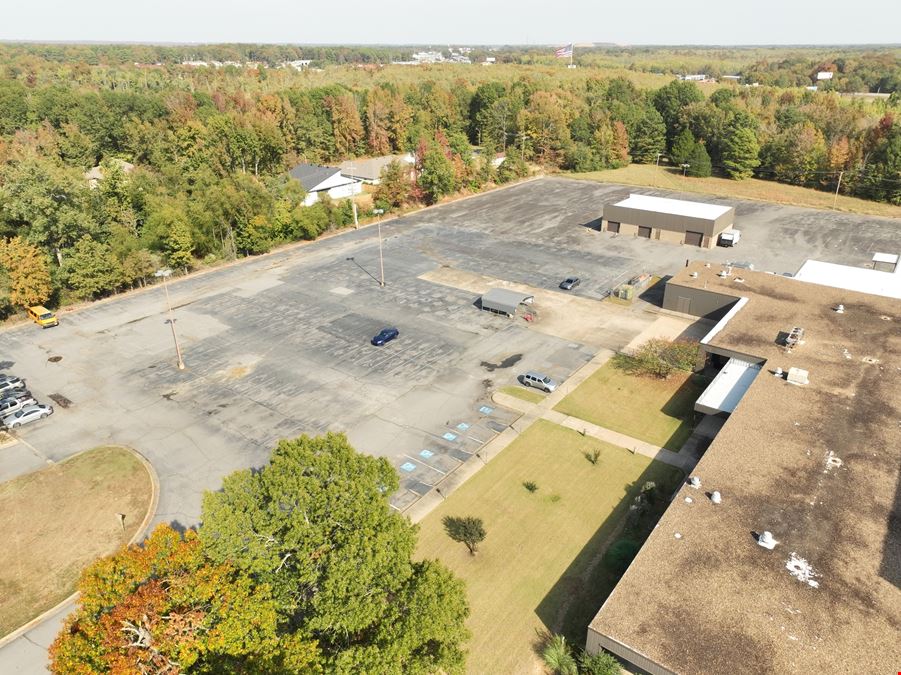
(620, 555)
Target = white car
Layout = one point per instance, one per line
(8, 406)
(28, 414)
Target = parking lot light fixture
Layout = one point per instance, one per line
(378, 213)
(165, 273)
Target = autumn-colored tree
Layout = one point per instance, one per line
(394, 187)
(378, 121)
(163, 607)
(346, 124)
(27, 271)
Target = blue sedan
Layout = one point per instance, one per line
(385, 335)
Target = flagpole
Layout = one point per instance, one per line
(571, 54)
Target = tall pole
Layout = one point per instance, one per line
(657, 166)
(381, 259)
(171, 322)
(835, 200)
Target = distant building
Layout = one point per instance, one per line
(369, 170)
(95, 175)
(825, 75)
(317, 180)
(490, 60)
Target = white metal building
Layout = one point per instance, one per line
(317, 179)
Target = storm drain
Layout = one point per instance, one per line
(60, 400)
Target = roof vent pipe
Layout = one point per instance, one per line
(840, 309)
(766, 540)
(778, 372)
(695, 481)
(716, 497)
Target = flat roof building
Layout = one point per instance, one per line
(816, 465)
(674, 220)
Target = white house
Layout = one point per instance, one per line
(317, 179)
(95, 175)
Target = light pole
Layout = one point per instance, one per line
(165, 273)
(685, 168)
(378, 213)
(657, 165)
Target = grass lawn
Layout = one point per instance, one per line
(537, 569)
(651, 410)
(57, 520)
(752, 188)
(530, 395)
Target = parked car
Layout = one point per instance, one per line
(539, 381)
(26, 415)
(42, 316)
(385, 335)
(570, 283)
(15, 394)
(11, 384)
(10, 405)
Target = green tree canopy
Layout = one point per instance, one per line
(699, 162)
(648, 140)
(683, 146)
(740, 152)
(316, 527)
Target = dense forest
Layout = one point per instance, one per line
(193, 160)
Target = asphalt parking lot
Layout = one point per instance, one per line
(279, 345)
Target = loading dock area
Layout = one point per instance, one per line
(674, 220)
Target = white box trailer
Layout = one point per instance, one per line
(729, 238)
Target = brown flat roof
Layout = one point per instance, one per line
(818, 466)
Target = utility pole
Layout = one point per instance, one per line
(835, 200)
(165, 274)
(378, 213)
(685, 168)
(657, 165)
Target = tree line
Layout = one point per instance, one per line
(194, 166)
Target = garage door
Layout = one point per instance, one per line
(644, 232)
(694, 238)
(612, 226)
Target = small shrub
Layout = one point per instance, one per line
(531, 486)
(554, 498)
(558, 657)
(620, 555)
(599, 664)
(592, 456)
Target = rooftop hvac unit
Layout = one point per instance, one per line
(716, 497)
(766, 540)
(795, 336)
(695, 481)
(797, 376)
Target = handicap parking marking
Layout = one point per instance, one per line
(408, 466)
(449, 436)
(426, 453)
(425, 465)
(463, 426)
(486, 410)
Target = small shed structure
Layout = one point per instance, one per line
(674, 220)
(505, 301)
(317, 179)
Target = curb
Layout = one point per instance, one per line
(138, 535)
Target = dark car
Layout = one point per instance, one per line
(570, 283)
(385, 335)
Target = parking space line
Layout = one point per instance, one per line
(428, 466)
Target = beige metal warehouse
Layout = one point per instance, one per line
(673, 220)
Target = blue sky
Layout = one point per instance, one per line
(455, 21)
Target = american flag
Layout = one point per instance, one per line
(564, 52)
